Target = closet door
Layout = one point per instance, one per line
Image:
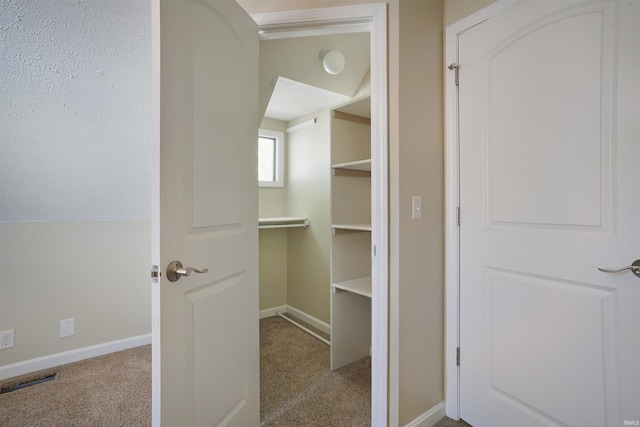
(205, 326)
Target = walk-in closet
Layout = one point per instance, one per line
(315, 193)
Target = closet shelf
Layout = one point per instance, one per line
(365, 226)
(360, 165)
(283, 222)
(360, 286)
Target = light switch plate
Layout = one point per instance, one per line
(416, 207)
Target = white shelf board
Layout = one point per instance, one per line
(365, 226)
(360, 286)
(360, 165)
(283, 222)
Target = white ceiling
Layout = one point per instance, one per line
(291, 99)
(293, 82)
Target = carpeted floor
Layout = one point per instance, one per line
(448, 422)
(297, 388)
(111, 390)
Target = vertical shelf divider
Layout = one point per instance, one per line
(351, 291)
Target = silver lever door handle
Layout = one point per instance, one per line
(175, 271)
(634, 267)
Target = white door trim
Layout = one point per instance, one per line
(156, 401)
(452, 202)
(372, 18)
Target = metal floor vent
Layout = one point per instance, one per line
(28, 383)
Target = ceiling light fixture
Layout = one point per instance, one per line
(333, 61)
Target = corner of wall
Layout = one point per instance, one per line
(421, 241)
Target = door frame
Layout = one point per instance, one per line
(370, 18)
(452, 203)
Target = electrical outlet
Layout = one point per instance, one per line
(6, 339)
(67, 327)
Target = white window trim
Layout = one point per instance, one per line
(279, 137)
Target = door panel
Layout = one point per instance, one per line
(546, 134)
(536, 149)
(218, 99)
(526, 311)
(206, 327)
(209, 328)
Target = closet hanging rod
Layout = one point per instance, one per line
(283, 226)
(301, 125)
(283, 222)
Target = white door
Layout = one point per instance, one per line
(549, 101)
(205, 326)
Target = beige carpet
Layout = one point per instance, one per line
(111, 390)
(448, 422)
(297, 388)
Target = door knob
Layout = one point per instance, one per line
(634, 267)
(175, 271)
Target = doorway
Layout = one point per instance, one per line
(177, 120)
(370, 19)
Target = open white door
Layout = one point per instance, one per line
(205, 326)
(549, 147)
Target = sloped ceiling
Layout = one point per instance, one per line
(298, 60)
(291, 99)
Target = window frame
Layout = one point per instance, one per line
(279, 158)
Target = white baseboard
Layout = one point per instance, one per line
(53, 360)
(430, 417)
(274, 311)
(316, 323)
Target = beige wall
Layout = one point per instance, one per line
(57, 270)
(455, 10)
(419, 156)
(273, 268)
(308, 281)
(294, 263)
(272, 202)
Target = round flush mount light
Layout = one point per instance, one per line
(333, 61)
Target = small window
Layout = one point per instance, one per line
(270, 158)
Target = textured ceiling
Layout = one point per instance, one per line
(284, 62)
(291, 99)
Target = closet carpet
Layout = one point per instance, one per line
(297, 387)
